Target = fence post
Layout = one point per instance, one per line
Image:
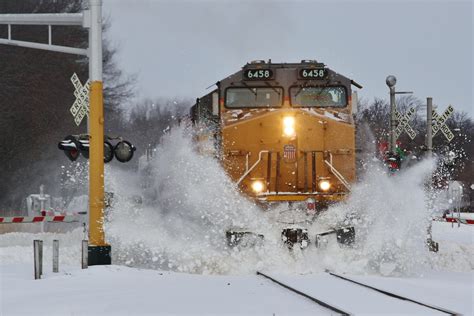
(37, 258)
(55, 255)
(85, 249)
(41, 257)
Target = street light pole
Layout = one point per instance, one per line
(391, 81)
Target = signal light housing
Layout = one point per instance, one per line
(84, 147)
(73, 145)
(124, 151)
(108, 152)
(393, 162)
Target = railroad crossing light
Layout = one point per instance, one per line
(84, 147)
(79, 144)
(124, 151)
(108, 152)
(70, 146)
(393, 162)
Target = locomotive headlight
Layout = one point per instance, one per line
(289, 126)
(324, 185)
(257, 186)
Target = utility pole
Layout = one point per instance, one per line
(99, 251)
(429, 131)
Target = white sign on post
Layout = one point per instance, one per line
(404, 125)
(439, 123)
(80, 107)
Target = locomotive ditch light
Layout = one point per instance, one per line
(324, 185)
(257, 186)
(289, 126)
(124, 151)
(70, 146)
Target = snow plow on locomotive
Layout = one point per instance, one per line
(285, 135)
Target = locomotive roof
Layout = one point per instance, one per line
(307, 64)
(259, 63)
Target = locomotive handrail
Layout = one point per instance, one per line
(338, 175)
(253, 166)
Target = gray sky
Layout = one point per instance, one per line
(178, 48)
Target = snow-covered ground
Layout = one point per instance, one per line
(119, 290)
(170, 256)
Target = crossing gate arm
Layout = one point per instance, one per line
(39, 219)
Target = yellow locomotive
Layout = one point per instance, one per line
(283, 131)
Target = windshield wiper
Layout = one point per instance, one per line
(273, 88)
(250, 88)
(301, 88)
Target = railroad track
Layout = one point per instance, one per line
(341, 311)
(315, 300)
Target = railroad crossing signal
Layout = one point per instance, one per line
(439, 123)
(80, 107)
(404, 125)
(91, 19)
(73, 145)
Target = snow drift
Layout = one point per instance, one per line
(188, 203)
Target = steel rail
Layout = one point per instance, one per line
(315, 300)
(396, 295)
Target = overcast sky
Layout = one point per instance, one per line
(178, 48)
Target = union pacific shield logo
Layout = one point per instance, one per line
(289, 152)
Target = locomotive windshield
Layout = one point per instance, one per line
(318, 96)
(254, 97)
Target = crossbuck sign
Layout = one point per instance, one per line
(403, 123)
(80, 107)
(439, 123)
